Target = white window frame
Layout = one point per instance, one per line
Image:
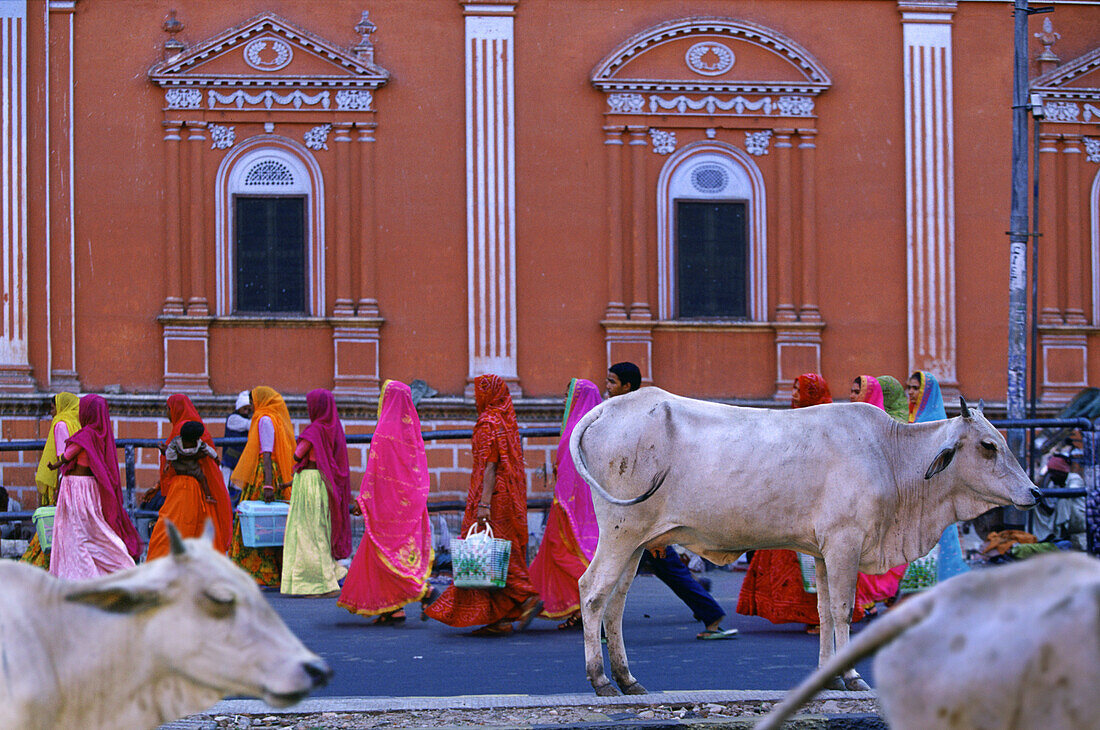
(744, 183)
(307, 183)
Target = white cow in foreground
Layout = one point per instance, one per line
(144, 646)
(845, 483)
(1009, 648)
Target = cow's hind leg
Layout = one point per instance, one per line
(841, 581)
(596, 588)
(613, 621)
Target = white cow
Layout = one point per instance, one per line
(1009, 648)
(144, 646)
(845, 483)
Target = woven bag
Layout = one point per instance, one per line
(809, 572)
(480, 560)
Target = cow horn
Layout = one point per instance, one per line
(964, 408)
(174, 539)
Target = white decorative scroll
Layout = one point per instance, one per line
(222, 137)
(756, 143)
(626, 103)
(1091, 111)
(664, 143)
(183, 98)
(709, 58)
(254, 54)
(790, 106)
(1061, 111)
(317, 138)
(268, 99)
(1092, 149)
(354, 99)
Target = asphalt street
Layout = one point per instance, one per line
(428, 659)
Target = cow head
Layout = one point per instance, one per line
(977, 456)
(211, 624)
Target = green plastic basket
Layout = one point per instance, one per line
(480, 560)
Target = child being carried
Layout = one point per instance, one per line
(186, 452)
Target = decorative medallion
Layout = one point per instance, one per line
(354, 100)
(709, 178)
(664, 143)
(795, 106)
(183, 98)
(626, 103)
(317, 138)
(756, 143)
(709, 58)
(223, 137)
(1092, 149)
(1061, 111)
(268, 54)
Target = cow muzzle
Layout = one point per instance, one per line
(313, 673)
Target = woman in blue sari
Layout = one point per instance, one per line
(926, 404)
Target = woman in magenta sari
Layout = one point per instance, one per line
(92, 534)
(871, 589)
(571, 534)
(394, 559)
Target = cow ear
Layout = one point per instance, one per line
(947, 453)
(981, 406)
(118, 597)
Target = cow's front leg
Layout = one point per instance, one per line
(596, 588)
(841, 576)
(613, 621)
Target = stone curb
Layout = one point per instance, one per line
(256, 708)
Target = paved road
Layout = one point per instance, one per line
(430, 659)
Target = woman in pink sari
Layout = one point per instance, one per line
(92, 534)
(571, 534)
(394, 559)
(871, 589)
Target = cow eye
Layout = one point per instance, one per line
(222, 598)
(990, 447)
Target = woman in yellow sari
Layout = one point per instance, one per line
(66, 422)
(264, 472)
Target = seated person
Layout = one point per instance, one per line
(1058, 519)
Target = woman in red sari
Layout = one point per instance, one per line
(773, 585)
(497, 496)
(184, 502)
(571, 534)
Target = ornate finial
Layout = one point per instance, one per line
(1047, 37)
(365, 49)
(173, 46)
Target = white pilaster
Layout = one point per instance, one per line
(14, 363)
(929, 186)
(490, 190)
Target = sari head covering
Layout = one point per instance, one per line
(570, 490)
(267, 402)
(869, 391)
(496, 425)
(929, 403)
(325, 434)
(812, 391)
(67, 409)
(96, 437)
(394, 492)
(894, 401)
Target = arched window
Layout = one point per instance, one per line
(711, 235)
(270, 235)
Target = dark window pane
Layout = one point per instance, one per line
(711, 260)
(271, 255)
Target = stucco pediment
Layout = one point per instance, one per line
(711, 55)
(269, 52)
(1071, 92)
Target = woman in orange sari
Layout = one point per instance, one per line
(571, 534)
(264, 471)
(65, 423)
(772, 587)
(184, 501)
(394, 559)
(497, 496)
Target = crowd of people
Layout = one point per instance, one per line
(93, 534)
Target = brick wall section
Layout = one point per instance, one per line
(449, 462)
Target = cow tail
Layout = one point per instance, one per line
(896, 622)
(578, 461)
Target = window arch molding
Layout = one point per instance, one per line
(270, 165)
(743, 181)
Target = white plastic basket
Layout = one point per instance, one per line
(480, 560)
